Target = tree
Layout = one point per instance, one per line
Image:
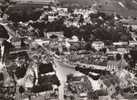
(5, 6)
(124, 37)
(92, 37)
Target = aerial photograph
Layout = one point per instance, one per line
(68, 49)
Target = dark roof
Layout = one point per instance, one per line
(3, 32)
(45, 68)
(53, 37)
(109, 80)
(77, 78)
(49, 79)
(41, 88)
(101, 92)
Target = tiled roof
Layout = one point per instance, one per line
(109, 80)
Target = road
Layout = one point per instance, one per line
(62, 70)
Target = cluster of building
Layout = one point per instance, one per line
(29, 49)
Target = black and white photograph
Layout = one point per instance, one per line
(68, 49)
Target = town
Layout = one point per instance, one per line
(66, 53)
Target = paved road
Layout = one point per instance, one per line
(62, 70)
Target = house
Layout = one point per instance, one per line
(125, 78)
(98, 45)
(60, 35)
(111, 64)
(132, 43)
(122, 50)
(74, 39)
(109, 83)
(108, 86)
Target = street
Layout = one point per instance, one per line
(62, 70)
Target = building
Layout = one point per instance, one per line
(109, 83)
(98, 45)
(120, 43)
(59, 35)
(132, 43)
(78, 86)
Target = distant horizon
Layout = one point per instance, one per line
(121, 7)
(33, 1)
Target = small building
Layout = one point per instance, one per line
(120, 43)
(60, 35)
(75, 38)
(62, 9)
(132, 43)
(122, 50)
(109, 83)
(98, 45)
